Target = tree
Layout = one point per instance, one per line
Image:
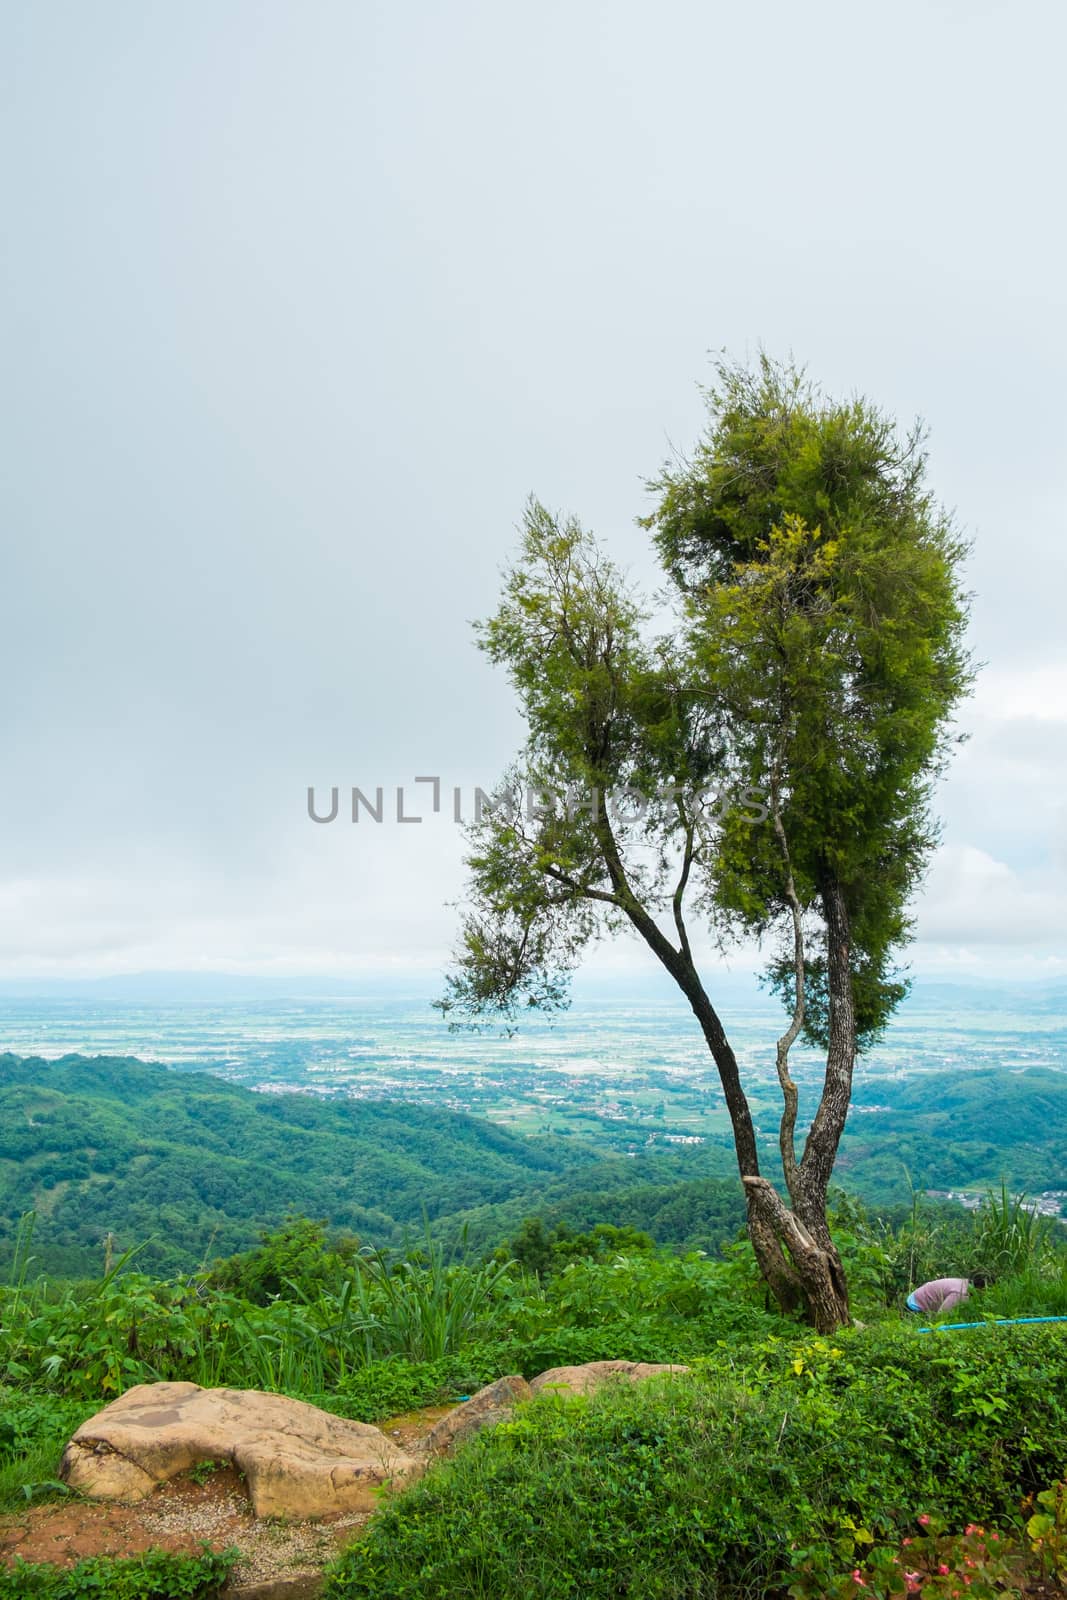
(767, 764)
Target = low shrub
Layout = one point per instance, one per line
(972, 1565)
(387, 1388)
(709, 1485)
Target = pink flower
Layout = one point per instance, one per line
(924, 1520)
(906, 1541)
(943, 1570)
(857, 1575)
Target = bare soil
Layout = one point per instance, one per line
(185, 1514)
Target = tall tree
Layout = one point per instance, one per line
(767, 766)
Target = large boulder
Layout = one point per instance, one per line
(497, 1400)
(298, 1461)
(491, 1404)
(594, 1374)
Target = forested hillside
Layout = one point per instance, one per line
(197, 1167)
(957, 1130)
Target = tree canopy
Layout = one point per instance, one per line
(762, 766)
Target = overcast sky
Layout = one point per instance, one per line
(301, 300)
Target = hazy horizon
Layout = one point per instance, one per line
(298, 306)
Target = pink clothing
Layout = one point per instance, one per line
(941, 1294)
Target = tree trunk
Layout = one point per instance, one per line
(813, 1275)
(775, 1269)
(794, 1251)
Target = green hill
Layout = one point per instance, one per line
(199, 1165)
(951, 1130)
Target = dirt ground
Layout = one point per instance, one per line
(193, 1509)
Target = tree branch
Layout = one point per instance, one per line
(790, 1094)
(679, 892)
(583, 890)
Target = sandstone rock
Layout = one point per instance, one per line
(594, 1374)
(298, 1461)
(489, 1405)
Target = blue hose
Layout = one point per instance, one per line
(997, 1322)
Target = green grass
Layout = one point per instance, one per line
(1038, 1291)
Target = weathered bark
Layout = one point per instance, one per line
(824, 1137)
(805, 1230)
(814, 1262)
(775, 1268)
(793, 1247)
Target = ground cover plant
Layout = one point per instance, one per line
(153, 1576)
(851, 1436)
(796, 1457)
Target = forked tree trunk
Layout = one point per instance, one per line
(798, 1260)
(793, 1247)
(796, 1254)
(792, 1244)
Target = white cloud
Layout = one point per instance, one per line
(971, 898)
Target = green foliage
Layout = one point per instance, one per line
(423, 1306)
(389, 1388)
(725, 1482)
(1037, 1292)
(887, 1256)
(1046, 1529)
(1010, 1237)
(34, 1427)
(543, 1253)
(827, 623)
(153, 1576)
(297, 1257)
(654, 1194)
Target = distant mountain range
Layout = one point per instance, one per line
(730, 986)
(196, 1165)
